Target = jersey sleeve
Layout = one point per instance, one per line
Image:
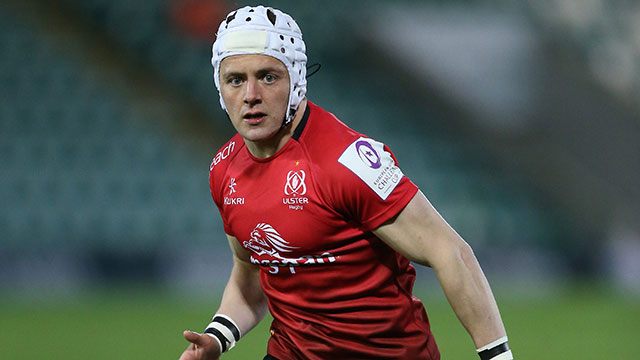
(215, 186)
(217, 199)
(371, 187)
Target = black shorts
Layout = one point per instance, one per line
(269, 357)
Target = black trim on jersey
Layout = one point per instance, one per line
(298, 131)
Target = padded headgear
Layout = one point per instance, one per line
(268, 31)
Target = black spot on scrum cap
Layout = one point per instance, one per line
(271, 16)
(231, 17)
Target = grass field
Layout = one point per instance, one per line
(581, 323)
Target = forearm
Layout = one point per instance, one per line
(242, 307)
(470, 296)
(243, 299)
(421, 234)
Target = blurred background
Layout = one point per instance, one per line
(519, 121)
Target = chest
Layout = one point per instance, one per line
(276, 209)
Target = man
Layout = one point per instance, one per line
(321, 221)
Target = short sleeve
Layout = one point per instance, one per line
(217, 201)
(371, 189)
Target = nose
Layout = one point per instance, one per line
(252, 93)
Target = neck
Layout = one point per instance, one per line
(267, 148)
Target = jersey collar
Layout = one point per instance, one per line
(303, 122)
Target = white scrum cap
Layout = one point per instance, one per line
(268, 31)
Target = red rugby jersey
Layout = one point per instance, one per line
(305, 214)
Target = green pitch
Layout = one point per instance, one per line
(119, 323)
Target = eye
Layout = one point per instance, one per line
(270, 78)
(235, 81)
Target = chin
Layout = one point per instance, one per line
(259, 134)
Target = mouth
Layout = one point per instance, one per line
(254, 118)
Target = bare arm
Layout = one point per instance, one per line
(243, 301)
(419, 233)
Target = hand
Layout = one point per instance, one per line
(202, 347)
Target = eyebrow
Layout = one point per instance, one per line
(233, 74)
(267, 70)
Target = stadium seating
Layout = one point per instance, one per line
(84, 170)
(79, 169)
(603, 35)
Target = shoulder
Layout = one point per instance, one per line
(332, 144)
(326, 137)
(357, 176)
(222, 159)
(347, 159)
(226, 153)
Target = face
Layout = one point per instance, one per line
(255, 90)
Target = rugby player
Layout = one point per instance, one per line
(322, 222)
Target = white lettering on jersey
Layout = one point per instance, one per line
(233, 200)
(367, 159)
(265, 240)
(222, 154)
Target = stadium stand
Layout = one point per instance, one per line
(84, 170)
(81, 167)
(603, 35)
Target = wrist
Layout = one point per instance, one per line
(496, 350)
(224, 330)
(216, 340)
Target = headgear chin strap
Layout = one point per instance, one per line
(268, 31)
